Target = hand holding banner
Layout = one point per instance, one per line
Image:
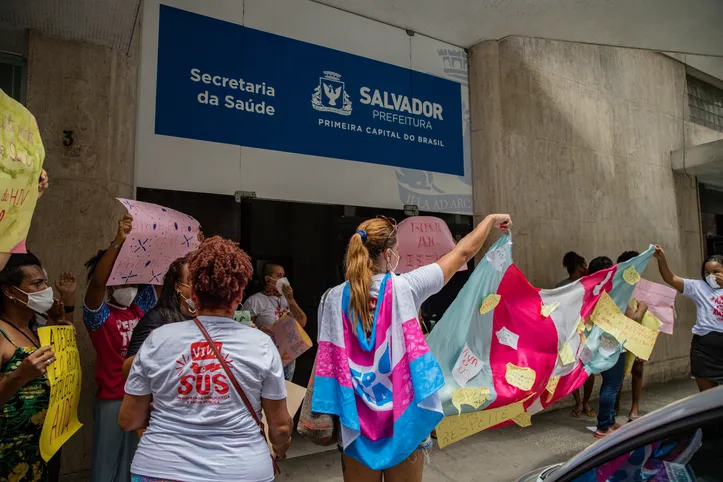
(160, 236)
(64, 376)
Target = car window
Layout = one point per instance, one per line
(693, 455)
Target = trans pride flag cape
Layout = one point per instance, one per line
(384, 389)
(508, 349)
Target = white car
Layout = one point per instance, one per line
(682, 442)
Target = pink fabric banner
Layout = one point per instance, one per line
(422, 241)
(660, 300)
(160, 236)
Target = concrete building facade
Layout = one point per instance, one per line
(573, 140)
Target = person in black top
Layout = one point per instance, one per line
(174, 304)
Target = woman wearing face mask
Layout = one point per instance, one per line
(372, 353)
(24, 390)
(110, 314)
(174, 304)
(706, 349)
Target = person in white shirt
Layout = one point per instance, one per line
(275, 301)
(706, 349)
(200, 429)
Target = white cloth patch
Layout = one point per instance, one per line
(497, 258)
(506, 337)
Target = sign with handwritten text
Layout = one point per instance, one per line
(160, 236)
(290, 339)
(467, 367)
(660, 300)
(454, 428)
(422, 241)
(635, 337)
(64, 377)
(21, 162)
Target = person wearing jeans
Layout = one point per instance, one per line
(612, 379)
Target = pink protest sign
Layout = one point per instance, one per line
(660, 300)
(159, 237)
(422, 241)
(290, 339)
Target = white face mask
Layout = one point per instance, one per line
(281, 283)
(125, 296)
(39, 301)
(190, 305)
(712, 282)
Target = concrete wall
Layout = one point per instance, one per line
(574, 142)
(91, 91)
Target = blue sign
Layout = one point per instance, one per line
(222, 82)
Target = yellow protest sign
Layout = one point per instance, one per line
(21, 161)
(580, 325)
(631, 275)
(522, 378)
(473, 396)
(523, 420)
(64, 376)
(552, 386)
(456, 427)
(547, 310)
(634, 336)
(566, 354)
(489, 303)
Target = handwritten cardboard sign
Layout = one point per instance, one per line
(660, 300)
(634, 336)
(454, 428)
(290, 339)
(422, 241)
(160, 236)
(21, 162)
(64, 376)
(294, 398)
(467, 367)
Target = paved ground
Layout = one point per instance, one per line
(497, 455)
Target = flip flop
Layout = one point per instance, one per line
(590, 413)
(632, 418)
(576, 413)
(598, 434)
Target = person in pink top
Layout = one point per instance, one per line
(110, 314)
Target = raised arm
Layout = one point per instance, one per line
(96, 288)
(470, 245)
(667, 274)
(296, 310)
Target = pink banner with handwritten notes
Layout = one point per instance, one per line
(422, 241)
(160, 236)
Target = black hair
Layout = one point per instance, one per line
(600, 263)
(571, 261)
(169, 303)
(269, 268)
(714, 258)
(93, 262)
(12, 274)
(627, 256)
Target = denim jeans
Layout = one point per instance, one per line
(612, 378)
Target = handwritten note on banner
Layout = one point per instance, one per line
(160, 236)
(634, 336)
(454, 428)
(64, 377)
(422, 241)
(21, 161)
(290, 339)
(472, 396)
(489, 303)
(520, 377)
(660, 300)
(467, 367)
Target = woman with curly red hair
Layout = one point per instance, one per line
(200, 428)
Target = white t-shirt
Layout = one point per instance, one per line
(266, 309)
(423, 282)
(709, 305)
(200, 429)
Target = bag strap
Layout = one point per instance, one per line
(236, 385)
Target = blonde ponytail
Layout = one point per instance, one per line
(359, 274)
(365, 247)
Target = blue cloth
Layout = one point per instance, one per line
(612, 378)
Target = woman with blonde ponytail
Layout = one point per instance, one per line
(374, 370)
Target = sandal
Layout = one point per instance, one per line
(576, 413)
(632, 418)
(590, 413)
(599, 434)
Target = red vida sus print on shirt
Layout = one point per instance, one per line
(201, 378)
